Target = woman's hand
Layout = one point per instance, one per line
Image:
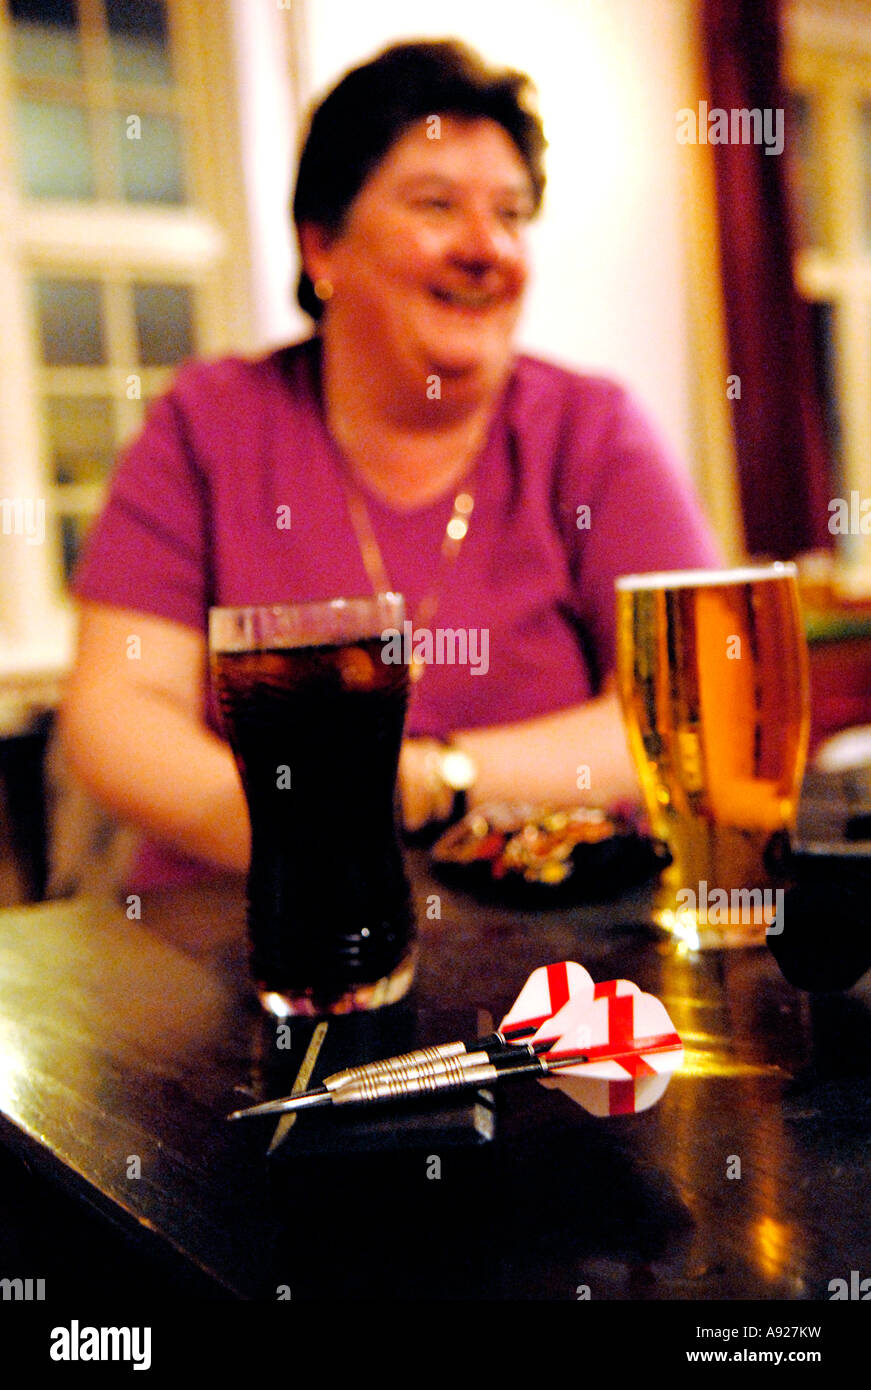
(576, 757)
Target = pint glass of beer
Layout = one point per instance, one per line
(314, 717)
(713, 678)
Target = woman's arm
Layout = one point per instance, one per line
(132, 729)
(576, 757)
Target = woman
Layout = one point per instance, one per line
(358, 459)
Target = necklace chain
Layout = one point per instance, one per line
(373, 560)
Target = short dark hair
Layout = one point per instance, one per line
(356, 124)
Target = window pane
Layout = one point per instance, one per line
(140, 43)
(806, 185)
(865, 173)
(150, 155)
(822, 320)
(164, 324)
(54, 150)
(70, 322)
(81, 438)
(73, 533)
(45, 40)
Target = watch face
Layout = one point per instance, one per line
(457, 769)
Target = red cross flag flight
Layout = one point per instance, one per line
(630, 1044)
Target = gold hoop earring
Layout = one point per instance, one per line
(323, 288)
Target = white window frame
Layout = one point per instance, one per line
(204, 242)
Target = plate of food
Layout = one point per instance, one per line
(543, 855)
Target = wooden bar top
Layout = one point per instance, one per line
(124, 1043)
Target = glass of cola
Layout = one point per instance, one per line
(314, 716)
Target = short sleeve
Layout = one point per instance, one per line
(643, 516)
(148, 550)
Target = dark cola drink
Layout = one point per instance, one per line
(316, 732)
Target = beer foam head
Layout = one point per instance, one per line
(693, 579)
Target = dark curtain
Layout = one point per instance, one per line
(782, 453)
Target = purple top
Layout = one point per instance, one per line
(197, 515)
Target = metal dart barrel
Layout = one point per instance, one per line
(412, 1059)
(387, 1086)
(391, 1064)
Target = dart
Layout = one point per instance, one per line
(454, 1076)
(580, 1070)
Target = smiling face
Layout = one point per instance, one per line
(429, 269)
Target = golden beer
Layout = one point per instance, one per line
(713, 678)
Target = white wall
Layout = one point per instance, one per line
(267, 139)
(608, 293)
